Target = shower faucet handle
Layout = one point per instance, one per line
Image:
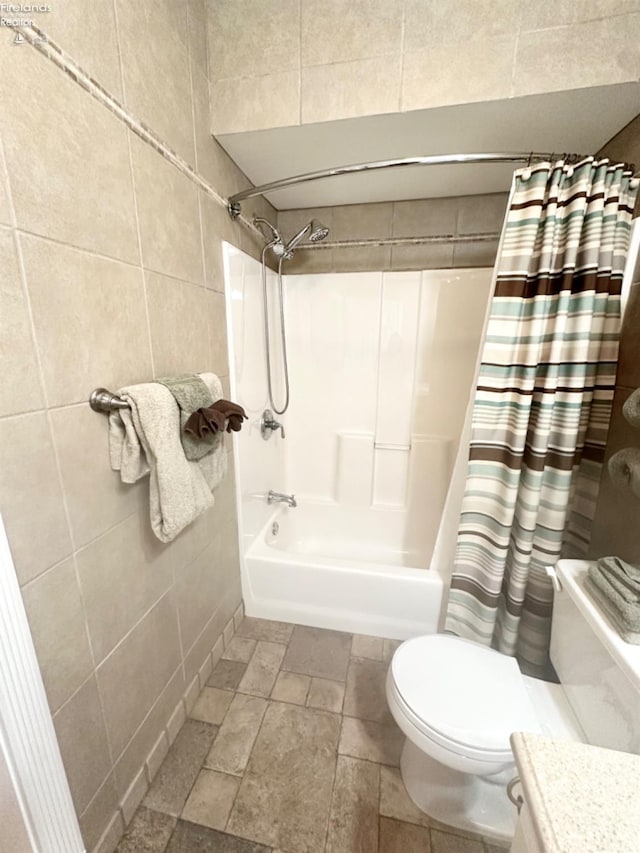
(268, 424)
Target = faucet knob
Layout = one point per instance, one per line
(268, 424)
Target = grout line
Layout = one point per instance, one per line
(144, 276)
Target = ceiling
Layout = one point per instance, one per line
(581, 120)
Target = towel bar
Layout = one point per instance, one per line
(102, 400)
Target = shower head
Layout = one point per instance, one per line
(314, 229)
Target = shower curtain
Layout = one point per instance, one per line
(543, 401)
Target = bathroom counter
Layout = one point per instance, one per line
(579, 797)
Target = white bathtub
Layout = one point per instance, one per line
(341, 568)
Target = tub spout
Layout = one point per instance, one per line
(279, 497)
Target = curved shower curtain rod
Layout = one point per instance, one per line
(427, 160)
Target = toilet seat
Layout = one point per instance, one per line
(464, 697)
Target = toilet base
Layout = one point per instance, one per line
(472, 803)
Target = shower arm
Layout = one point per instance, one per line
(234, 207)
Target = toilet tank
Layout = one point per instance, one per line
(599, 672)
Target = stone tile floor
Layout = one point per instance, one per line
(290, 749)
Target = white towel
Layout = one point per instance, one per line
(145, 439)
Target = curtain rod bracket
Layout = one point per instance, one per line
(234, 209)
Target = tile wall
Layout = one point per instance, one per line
(277, 63)
(111, 264)
(615, 526)
(461, 216)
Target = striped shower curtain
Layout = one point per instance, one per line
(543, 400)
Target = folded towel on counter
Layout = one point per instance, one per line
(192, 392)
(626, 572)
(145, 439)
(627, 634)
(211, 419)
(628, 611)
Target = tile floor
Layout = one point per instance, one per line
(290, 749)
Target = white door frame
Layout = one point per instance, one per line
(27, 736)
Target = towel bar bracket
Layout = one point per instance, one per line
(102, 400)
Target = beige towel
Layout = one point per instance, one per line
(145, 439)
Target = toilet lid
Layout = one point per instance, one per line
(462, 693)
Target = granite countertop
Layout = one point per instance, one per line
(580, 797)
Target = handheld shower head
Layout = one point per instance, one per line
(316, 231)
(258, 221)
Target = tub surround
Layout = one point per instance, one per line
(579, 797)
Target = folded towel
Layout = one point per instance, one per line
(627, 575)
(628, 613)
(192, 392)
(628, 635)
(145, 439)
(631, 408)
(211, 419)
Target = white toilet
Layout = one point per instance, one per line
(458, 703)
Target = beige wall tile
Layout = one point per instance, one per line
(88, 314)
(425, 217)
(253, 37)
(199, 587)
(422, 257)
(430, 23)
(5, 210)
(20, 389)
(168, 215)
(342, 30)
(216, 227)
(155, 69)
(248, 103)
(77, 187)
(56, 618)
(98, 813)
(361, 258)
(135, 673)
(91, 39)
(482, 72)
(331, 92)
(481, 213)
(200, 650)
(179, 326)
(31, 497)
(122, 574)
(361, 221)
(96, 497)
(144, 743)
(476, 254)
(546, 14)
(311, 261)
(197, 30)
(86, 759)
(586, 54)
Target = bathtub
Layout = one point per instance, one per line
(348, 569)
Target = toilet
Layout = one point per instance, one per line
(458, 702)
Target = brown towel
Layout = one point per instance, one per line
(211, 419)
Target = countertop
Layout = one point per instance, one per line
(581, 798)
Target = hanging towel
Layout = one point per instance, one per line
(145, 439)
(213, 418)
(627, 634)
(192, 392)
